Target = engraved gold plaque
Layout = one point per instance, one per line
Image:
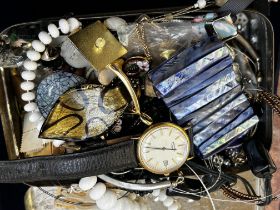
(98, 45)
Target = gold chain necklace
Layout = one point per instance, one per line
(141, 36)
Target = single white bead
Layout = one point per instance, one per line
(156, 193)
(28, 75)
(30, 65)
(162, 195)
(27, 86)
(97, 191)
(115, 23)
(87, 183)
(45, 38)
(53, 30)
(132, 196)
(73, 24)
(35, 116)
(38, 46)
(64, 26)
(33, 55)
(174, 206)
(40, 124)
(30, 107)
(107, 201)
(201, 4)
(58, 143)
(29, 96)
(168, 202)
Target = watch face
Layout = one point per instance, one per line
(164, 148)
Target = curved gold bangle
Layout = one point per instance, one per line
(116, 67)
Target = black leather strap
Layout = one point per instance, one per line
(72, 166)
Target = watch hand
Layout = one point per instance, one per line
(160, 148)
(170, 149)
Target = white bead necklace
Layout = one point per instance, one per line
(107, 199)
(168, 202)
(30, 65)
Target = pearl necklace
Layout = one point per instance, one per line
(30, 65)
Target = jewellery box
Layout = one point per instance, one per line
(81, 113)
(11, 118)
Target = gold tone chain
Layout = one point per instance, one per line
(141, 36)
(162, 18)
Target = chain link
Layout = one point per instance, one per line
(236, 195)
(141, 36)
(272, 100)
